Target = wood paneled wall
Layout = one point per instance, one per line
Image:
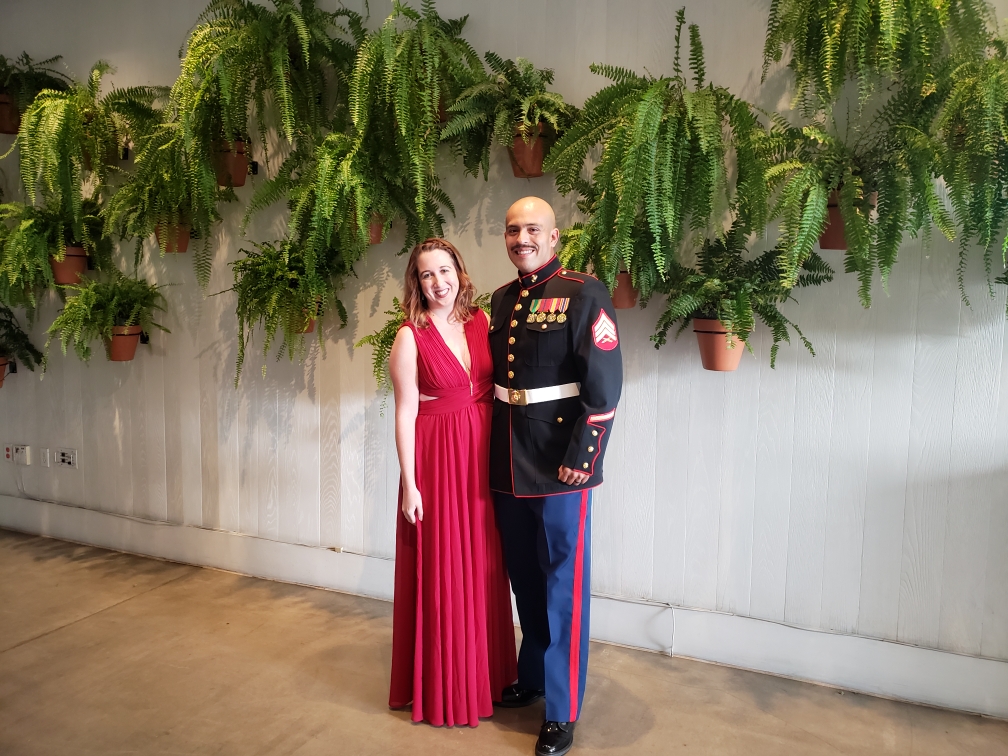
(861, 491)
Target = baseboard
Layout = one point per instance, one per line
(883, 668)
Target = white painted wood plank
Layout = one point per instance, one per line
(154, 409)
(677, 369)
(352, 445)
(138, 437)
(288, 448)
(738, 474)
(930, 447)
(185, 348)
(590, 31)
(269, 493)
(773, 482)
(848, 459)
(703, 489)
(209, 446)
(638, 420)
(328, 375)
(813, 426)
(888, 446)
(249, 417)
(71, 481)
(994, 640)
(972, 475)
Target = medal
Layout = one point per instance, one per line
(531, 318)
(551, 318)
(540, 317)
(561, 318)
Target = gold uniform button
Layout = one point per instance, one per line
(534, 278)
(544, 326)
(591, 448)
(559, 419)
(514, 323)
(517, 307)
(511, 340)
(585, 465)
(594, 433)
(525, 293)
(510, 373)
(510, 358)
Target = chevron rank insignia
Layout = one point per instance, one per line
(604, 332)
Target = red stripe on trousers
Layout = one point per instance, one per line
(575, 645)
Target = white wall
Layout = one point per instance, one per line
(859, 492)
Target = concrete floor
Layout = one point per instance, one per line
(104, 653)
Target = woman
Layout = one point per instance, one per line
(453, 647)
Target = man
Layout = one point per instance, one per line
(558, 375)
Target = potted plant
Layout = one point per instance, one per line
(241, 54)
(39, 250)
(403, 72)
(927, 82)
(662, 168)
(115, 309)
(158, 199)
(725, 291)
(69, 141)
(275, 290)
(15, 345)
(20, 80)
(510, 108)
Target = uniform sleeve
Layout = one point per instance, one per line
(600, 364)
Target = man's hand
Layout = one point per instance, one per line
(572, 477)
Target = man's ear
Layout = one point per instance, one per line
(554, 238)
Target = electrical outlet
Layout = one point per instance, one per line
(65, 458)
(22, 454)
(9, 453)
(43, 457)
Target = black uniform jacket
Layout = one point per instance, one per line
(550, 327)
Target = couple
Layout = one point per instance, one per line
(500, 424)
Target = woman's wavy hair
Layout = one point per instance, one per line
(414, 302)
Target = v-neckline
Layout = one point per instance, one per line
(465, 335)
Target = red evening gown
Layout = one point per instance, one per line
(453, 645)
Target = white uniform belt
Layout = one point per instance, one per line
(536, 395)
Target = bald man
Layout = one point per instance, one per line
(558, 374)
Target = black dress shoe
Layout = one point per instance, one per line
(555, 738)
(515, 697)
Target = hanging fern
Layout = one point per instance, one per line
(14, 342)
(404, 73)
(512, 102)
(166, 187)
(72, 139)
(97, 306)
(29, 236)
(23, 78)
(831, 41)
(275, 290)
(727, 286)
(662, 168)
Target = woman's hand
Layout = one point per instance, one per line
(412, 505)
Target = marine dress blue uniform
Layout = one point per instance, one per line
(558, 374)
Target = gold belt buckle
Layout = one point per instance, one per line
(518, 396)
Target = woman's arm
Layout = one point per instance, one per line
(403, 369)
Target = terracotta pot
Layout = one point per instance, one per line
(231, 167)
(527, 159)
(3, 370)
(73, 267)
(310, 328)
(715, 353)
(178, 238)
(624, 296)
(123, 346)
(10, 119)
(833, 236)
(376, 228)
(443, 116)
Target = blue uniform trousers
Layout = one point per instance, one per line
(547, 547)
